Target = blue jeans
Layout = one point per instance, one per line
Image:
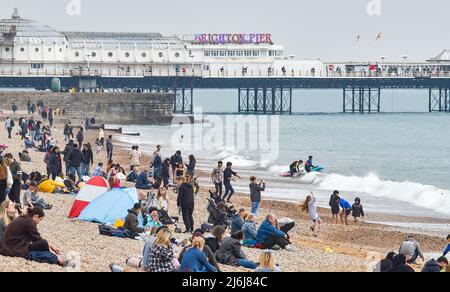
(77, 171)
(255, 207)
(218, 188)
(247, 264)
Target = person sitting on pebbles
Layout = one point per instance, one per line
(31, 198)
(23, 239)
(269, 236)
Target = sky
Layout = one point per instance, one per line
(325, 29)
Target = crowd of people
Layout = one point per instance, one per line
(219, 242)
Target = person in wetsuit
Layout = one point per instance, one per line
(309, 165)
(296, 167)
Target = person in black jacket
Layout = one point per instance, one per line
(400, 265)
(228, 174)
(435, 266)
(186, 203)
(131, 224)
(357, 210)
(75, 159)
(165, 174)
(54, 163)
(66, 153)
(88, 159)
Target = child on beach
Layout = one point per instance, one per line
(447, 250)
(32, 199)
(309, 206)
(346, 211)
(357, 210)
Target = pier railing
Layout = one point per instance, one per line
(215, 73)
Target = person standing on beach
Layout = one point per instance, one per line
(157, 163)
(135, 157)
(51, 116)
(66, 153)
(190, 168)
(186, 203)
(14, 108)
(66, 132)
(174, 161)
(75, 159)
(357, 210)
(16, 172)
(217, 178)
(109, 148)
(9, 125)
(55, 163)
(335, 208)
(255, 193)
(309, 206)
(166, 170)
(227, 178)
(23, 128)
(80, 136)
(88, 159)
(101, 136)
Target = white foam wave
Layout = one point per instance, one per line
(414, 193)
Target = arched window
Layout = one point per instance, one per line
(93, 54)
(77, 54)
(160, 54)
(127, 55)
(110, 54)
(144, 55)
(177, 55)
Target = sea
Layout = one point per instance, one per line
(397, 161)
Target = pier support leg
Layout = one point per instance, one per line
(274, 101)
(183, 100)
(362, 100)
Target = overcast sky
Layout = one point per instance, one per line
(325, 29)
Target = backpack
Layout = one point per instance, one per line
(12, 124)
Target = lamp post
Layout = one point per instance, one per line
(405, 57)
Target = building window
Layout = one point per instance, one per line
(94, 54)
(160, 54)
(7, 49)
(49, 50)
(223, 53)
(36, 50)
(239, 53)
(177, 55)
(77, 54)
(110, 54)
(255, 53)
(22, 49)
(207, 53)
(215, 53)
(37, 65)
(60, 50)
(127, 55)
(248, 53)
(231, 53)
(144, 55)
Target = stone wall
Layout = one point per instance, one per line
(129, 108)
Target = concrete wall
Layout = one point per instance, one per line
(128, 108)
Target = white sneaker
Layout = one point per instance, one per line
(276, 247)
(290, 248)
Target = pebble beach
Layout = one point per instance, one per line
(354, 248)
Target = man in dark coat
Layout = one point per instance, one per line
(75, 159)
(186, 203)
(131, 224)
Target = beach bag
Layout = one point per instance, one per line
(135, 262)
(119, 223)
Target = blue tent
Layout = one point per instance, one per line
(110, 206)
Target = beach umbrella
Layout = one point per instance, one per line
(93, 188)
(110, 206)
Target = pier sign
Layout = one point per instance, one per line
(230, 38)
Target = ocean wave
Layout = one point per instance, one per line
(425, 196)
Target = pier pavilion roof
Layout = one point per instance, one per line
(17, 30)
(444, 56)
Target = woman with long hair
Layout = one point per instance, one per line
(309, 206)
(162, 255)
(267, 263)
(8, 213)
(191, 166)
(194, 259)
